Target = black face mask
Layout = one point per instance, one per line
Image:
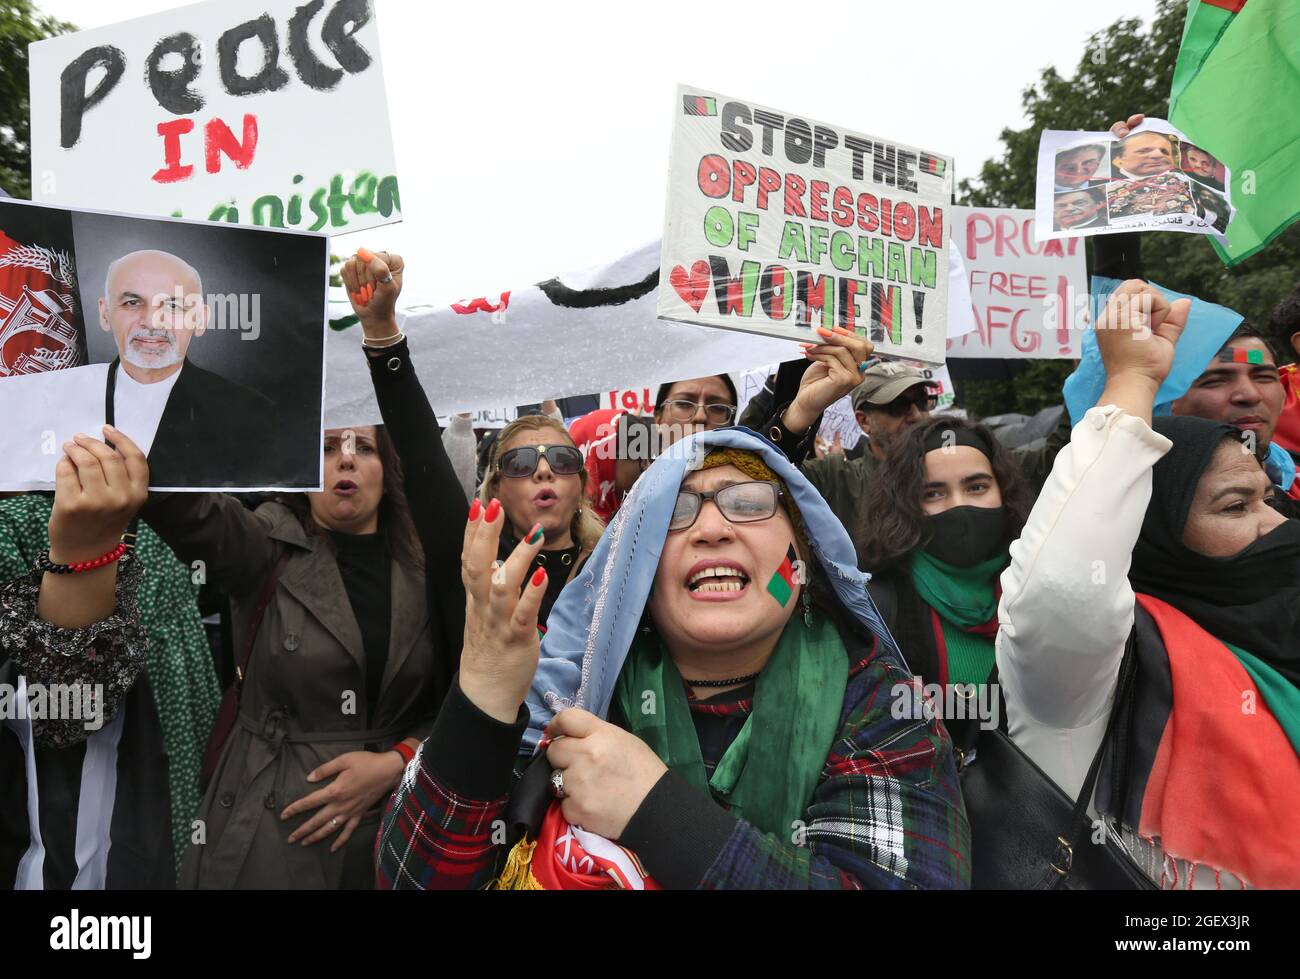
(967, 535)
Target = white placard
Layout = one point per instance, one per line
(1154, 179)
(263, 112)
(1029, 299)
(776, 224)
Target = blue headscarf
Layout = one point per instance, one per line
(594, 621)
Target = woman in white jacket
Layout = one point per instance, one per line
(1206, 791)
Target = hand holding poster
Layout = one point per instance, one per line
(1153, 179)
(203, 343)
(1030, 299)
(777, 224)
(226, 111)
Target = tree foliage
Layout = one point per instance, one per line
(1122, 70)
(20, 24)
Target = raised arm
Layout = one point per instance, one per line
(218, 530)
(1067, 606)
(433, 492)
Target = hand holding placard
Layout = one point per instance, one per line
(836, 370)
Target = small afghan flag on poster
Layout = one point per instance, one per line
(932, 164)
(782, 584)
(698, 105)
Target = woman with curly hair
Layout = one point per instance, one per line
(936, 523)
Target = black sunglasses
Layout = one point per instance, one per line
(519, 463)
(925, 401)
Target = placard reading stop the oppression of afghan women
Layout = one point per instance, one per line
(264, 112)
(777, 224)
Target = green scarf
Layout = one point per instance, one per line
(963, 596)
(1280, 694)
(798, 699)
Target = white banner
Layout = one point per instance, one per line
(776, 224)
(265, 112)
(1029, 299)
(571, 335)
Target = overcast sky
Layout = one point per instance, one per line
(506, 114)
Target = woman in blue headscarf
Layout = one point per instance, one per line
(716, 704)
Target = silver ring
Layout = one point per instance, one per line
(386, 279)
(334, 823)
(557, 783)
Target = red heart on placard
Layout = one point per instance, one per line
(692, 286)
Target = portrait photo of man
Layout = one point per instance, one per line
(1202, 167)
(1081, 166)
(192, 419)
(1079, 209)
(1145, 154)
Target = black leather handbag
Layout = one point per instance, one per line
(1026, 834)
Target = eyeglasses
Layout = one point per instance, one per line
(684, 411)
(522, 462)
(900, 407)
(739, 503)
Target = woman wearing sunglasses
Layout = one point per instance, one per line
(723, 685)
(538, 478)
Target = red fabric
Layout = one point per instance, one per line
(594, 425)
(37, 331)
(561, 864)
(1224, 790)
(596, 434)
(1287, 433)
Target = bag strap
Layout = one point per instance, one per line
(255, 621)
(1119, 710)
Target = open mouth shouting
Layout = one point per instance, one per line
(717, 580)
(345, 488)
(545, 499)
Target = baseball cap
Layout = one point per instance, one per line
(884, 381)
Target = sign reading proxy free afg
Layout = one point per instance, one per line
(263, 112)
(777, 224)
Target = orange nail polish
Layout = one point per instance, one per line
(366, 255)
(824, 332)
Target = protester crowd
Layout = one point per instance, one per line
(684, 649)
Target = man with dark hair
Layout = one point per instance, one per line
(1286, 339)
(1242, 387)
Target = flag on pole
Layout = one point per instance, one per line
(1235, 91)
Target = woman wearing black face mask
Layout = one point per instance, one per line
(1202, 780)
(937, 520)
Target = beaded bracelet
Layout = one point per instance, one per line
(43, 562)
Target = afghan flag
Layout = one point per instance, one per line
(930, 163)
(782, 584)
(1235, 91)
(698, 105)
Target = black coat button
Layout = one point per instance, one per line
(227, 800)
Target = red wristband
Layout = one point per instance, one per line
(405, 750)
(43, 562)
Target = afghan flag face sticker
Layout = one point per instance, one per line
(781, 587)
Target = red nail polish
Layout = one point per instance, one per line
(474, 510)
(539, 577)
(494, 508)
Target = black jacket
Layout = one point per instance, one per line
(215, 433)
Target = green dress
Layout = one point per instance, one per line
(181, 672)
